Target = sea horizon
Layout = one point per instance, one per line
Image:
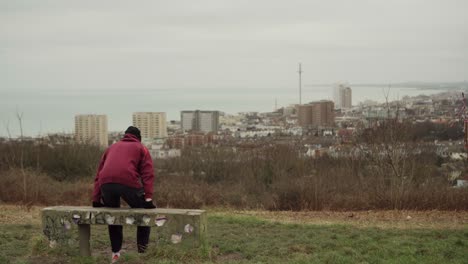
(53, 110)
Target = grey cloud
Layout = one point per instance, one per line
(147, 43)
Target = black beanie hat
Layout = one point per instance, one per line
(134, 131)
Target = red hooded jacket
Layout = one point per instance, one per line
(127, 162)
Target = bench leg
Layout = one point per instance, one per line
(85, 235)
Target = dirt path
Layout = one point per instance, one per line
(12, 214)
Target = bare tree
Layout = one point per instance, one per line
(6, 124)
(19, 117)
(10, 159)
(386, 93)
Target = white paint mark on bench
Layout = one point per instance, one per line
(110, 220)
(129, 220)
(160, 220)
(188, 228)
(146, 219)
(76, 218)
(176, 238)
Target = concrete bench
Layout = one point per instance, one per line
(176, 226)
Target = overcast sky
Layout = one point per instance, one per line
(227, 44)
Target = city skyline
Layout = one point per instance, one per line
(46, 119)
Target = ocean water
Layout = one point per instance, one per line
(48, 111)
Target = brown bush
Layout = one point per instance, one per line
(64, 161)
(273, 177)
(278, 178)
(41, 189)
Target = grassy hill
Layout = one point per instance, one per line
(266, 237)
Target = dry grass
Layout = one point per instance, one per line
(383, 219)
(16, 214)
(20, 215)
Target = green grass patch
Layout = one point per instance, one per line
(241, 239)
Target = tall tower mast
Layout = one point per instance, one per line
(300, 83)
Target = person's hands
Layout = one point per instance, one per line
(97, 204)
(148, 204)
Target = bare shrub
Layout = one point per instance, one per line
(277, 177)
(41, 189)
(388, 172)
(67, 161)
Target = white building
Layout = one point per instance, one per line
(164, 153)
(202, 121)
(151, 124)
(254, 133)
(342, 96)
(230, 120)
(91, 129)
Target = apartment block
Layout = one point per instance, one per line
(304, 114)
(342, 96)
(91, 129)
(316, 114)
(199, 121)
(151, 124)
(323, 114)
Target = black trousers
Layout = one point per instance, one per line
(111, 194)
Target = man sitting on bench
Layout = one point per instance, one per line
(126, 170)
